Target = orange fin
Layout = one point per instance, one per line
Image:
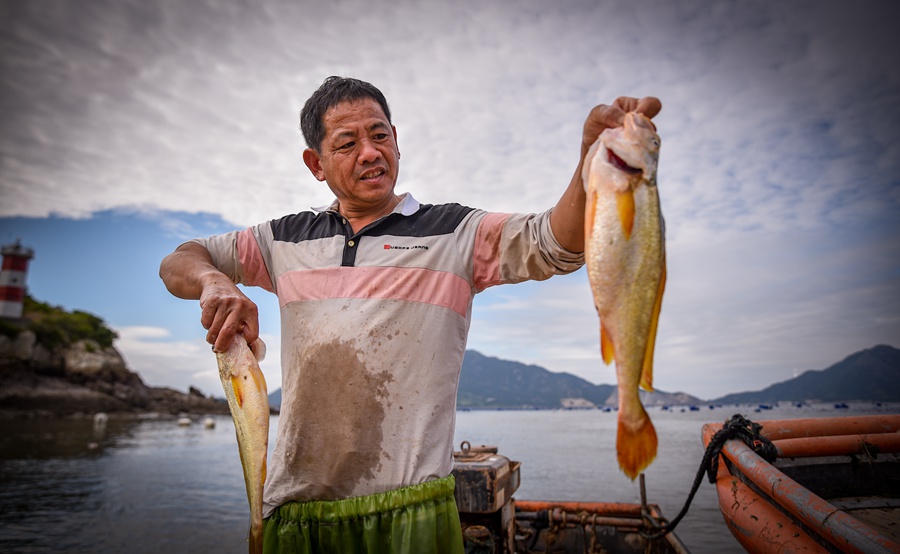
(647, 369)
(635, 448)
(606, 346)
(259, 381)
(625, 204)
(590, 211)
(238, 393)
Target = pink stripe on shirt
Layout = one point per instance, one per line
(255, 271)
(486, 268)
(412, 284)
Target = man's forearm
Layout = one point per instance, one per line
(567, 218)
(185, 271)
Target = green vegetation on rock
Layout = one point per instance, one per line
(55, 327)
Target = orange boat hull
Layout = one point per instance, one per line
(768, 511)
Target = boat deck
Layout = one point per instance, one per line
(881, 513)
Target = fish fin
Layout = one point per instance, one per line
(625, 204)
(258, 348)
(260, 381)
(238, 392)
(635, 447)
(590, 211)
(647, 369)
(606, 346)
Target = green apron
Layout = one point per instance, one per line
(421, 519)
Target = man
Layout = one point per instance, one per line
(376, 294)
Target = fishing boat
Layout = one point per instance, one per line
(494, 522)
(834, 486)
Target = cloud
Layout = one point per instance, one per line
(769, 305)
(178, 107)
(180, 364)
(778, 173)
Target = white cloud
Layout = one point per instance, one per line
(162, 360)
(159, 117)
(778, 132)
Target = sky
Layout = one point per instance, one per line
(129, 126)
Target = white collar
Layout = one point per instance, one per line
(407, 205)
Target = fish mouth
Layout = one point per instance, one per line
(620, 164)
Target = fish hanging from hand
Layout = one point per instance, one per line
(626, 261)
(248, 399)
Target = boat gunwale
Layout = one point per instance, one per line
(838, 528)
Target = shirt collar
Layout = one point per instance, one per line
(407, 205)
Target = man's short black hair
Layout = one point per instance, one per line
(333, 91)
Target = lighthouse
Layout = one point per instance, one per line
(12, 279)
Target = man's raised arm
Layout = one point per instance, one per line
(567, 218)
(189, 273)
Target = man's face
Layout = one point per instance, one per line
(359, 158)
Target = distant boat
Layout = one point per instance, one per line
(835, 486)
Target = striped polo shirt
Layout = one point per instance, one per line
(373, 332)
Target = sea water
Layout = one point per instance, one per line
(148, 486)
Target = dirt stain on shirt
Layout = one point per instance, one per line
(342, 408)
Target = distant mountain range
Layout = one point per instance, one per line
(487, 382)
(492, 383)
(870, 375)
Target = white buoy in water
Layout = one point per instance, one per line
(100, 420)
(184, 421)
(209, 423)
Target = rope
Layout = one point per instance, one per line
(738, 427)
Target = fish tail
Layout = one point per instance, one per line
(256, 539)
(635, 444)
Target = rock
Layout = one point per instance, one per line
(83, 378)
(23, 346)
(86, 360)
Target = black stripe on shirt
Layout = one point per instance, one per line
(429, 220)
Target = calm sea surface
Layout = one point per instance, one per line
(152, 486)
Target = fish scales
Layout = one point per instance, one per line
(626, 262)
(248, 400)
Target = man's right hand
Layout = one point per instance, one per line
(225, 311)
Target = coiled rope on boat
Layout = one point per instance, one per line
(738, 427)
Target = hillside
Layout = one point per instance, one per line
(55, 362)
(486, 382)
(870, 375)
(495, 383)
(492, 383)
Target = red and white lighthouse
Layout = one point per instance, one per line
(12, 279)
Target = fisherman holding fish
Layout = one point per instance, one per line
(376, 295)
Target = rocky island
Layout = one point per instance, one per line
(56, 363)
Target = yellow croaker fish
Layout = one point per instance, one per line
(626, 263)
(245, 388)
